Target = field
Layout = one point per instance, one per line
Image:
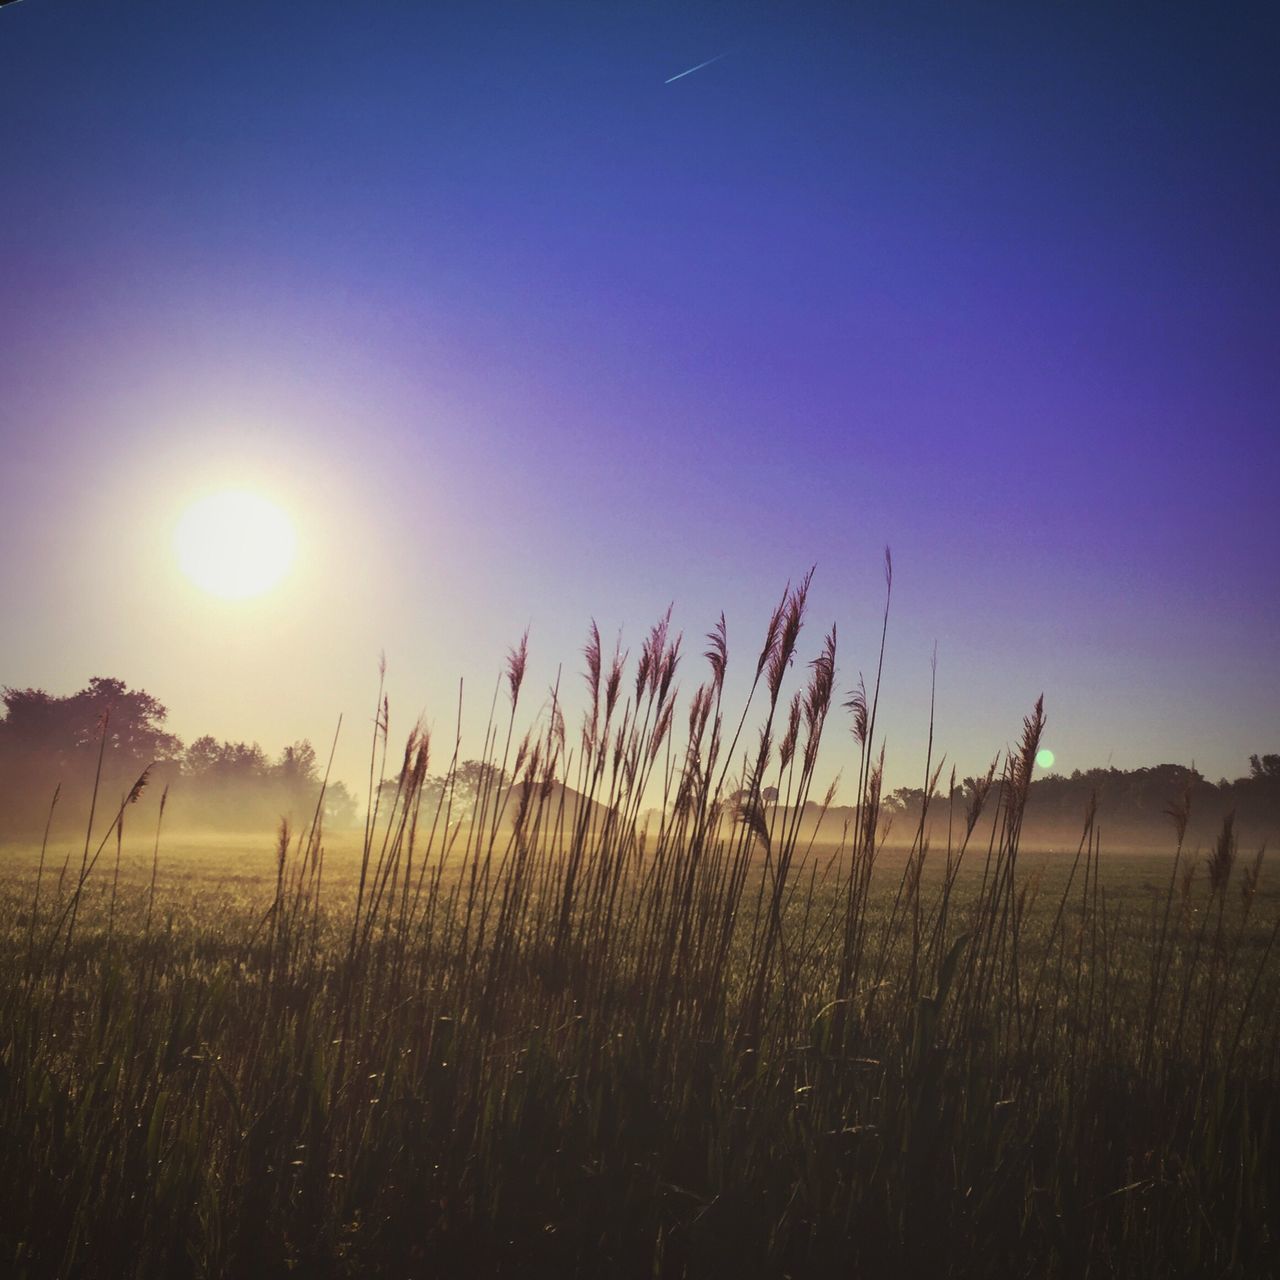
(207, 1090)
(549, 1040)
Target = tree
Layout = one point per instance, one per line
(134, 720)
(1265, 767)
(48, 741)
(201, 757)
(297, 765)
(339, 806)
(39, 723)
(472, 778)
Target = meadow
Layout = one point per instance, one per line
(539, 1037)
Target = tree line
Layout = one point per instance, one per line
(1131, 806)
(107, 734)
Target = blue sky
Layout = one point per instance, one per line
(523, 335)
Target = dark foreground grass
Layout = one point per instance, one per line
(545, 1042)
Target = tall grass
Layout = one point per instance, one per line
(539, 1035)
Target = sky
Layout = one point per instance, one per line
(521, 335)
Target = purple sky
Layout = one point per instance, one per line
(522, 335)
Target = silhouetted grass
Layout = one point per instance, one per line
(539, 1038)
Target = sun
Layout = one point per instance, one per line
(234, 544)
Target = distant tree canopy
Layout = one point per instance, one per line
(1265, 767)
(769, 795)
(47, 741)
(467, 783)
(1133, 805)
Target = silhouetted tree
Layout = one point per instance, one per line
(38, 723)
(298, 764)
(472, 779)
(47, 741)
(1266, 767)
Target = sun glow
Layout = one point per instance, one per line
(234, 544)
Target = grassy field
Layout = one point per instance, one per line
(208, 1094)
(545, 1044)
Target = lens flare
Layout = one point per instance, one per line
(1044, 758)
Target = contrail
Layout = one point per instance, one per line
(681, 75)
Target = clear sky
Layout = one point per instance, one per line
(520, 334)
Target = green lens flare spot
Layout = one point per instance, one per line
(1044, 758)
